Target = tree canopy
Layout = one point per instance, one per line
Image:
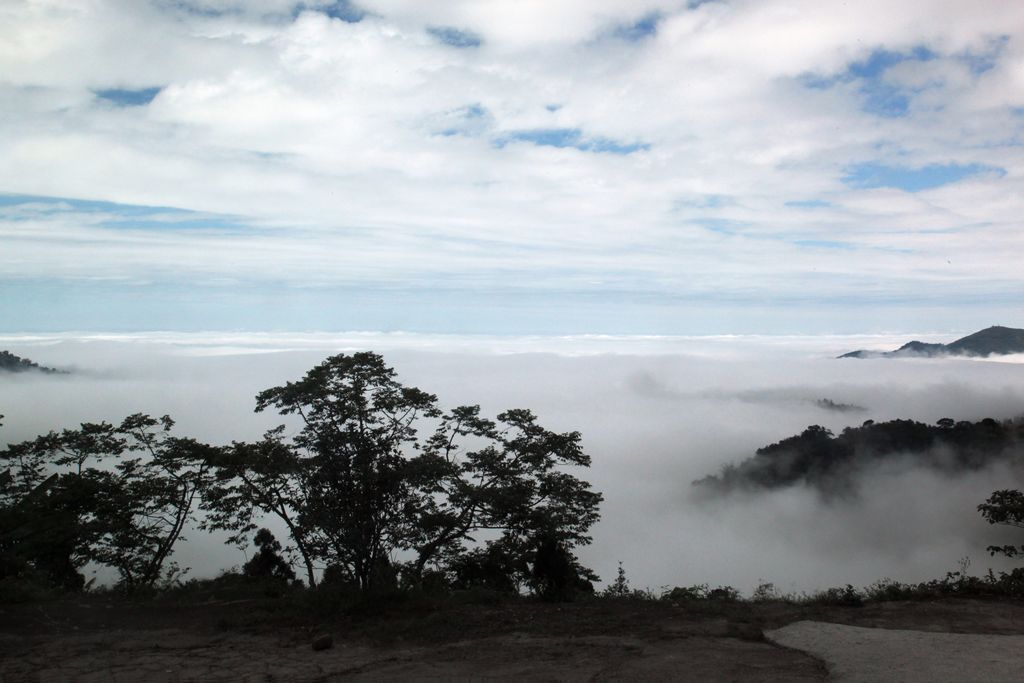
(118, 495)
(1005, 507)
(361, 491)
(373, 481)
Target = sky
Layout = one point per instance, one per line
(511, 166)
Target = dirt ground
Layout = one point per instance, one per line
(875, 655)
(253, 640)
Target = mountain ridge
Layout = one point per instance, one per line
(991, 341)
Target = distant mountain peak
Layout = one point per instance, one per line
(991, 341)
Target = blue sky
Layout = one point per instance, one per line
(649, 167)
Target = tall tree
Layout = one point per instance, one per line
(506, 476)
(268, 477)
(120, 495)
(342, 484)
(358, 489)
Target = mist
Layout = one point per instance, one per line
(655, 413)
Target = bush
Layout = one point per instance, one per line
(724, 594)
(701, 591)
(765, 592)
(619, 588)
(15, 589)
(697, 591)
(847, 596)
(267, 563)
(557, 575)
(888, 590)
(490, 567)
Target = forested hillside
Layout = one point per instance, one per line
(829, 462)
(11, 363)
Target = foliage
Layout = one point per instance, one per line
(954, 584)
(256, 479)
(765, 592)
(492, 567)
(819, 458)
(846, 596)
(697, 591)
(11, 363)
(1004, 507)
(42, 534)
(120, 495)
(358, 488)
(505, 476)
(267, 563)
(619, 588)
(357, 419)
(557, 574)
(888, 590)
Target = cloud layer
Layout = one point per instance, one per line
(655, 414)
(761, 155)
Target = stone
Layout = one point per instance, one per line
(323, 642)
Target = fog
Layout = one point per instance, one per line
(655, 414)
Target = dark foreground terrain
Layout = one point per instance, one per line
(102, 638)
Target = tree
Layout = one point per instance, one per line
(503, 476)
(340, 485)
(357, 422)
(42, 535)
(359, 491)
(1004, 507)
(267, 563)
(119, 495)
(265, 478)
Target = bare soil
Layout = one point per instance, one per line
(98, 638)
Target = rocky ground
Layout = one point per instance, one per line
(97, 639)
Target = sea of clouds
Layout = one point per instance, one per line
(655, 414)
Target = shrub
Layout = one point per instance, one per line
(765, 592)
(847, 596)
(267, 563)
(724, 594)
(887, 590)
(697, 591)
(619, 588)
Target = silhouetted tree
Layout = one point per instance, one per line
(557, 574)
(1004, 507)
(119, 495)
(506, 475)
(492, 566)
(356, 485)
(264, 478)
(267, 563)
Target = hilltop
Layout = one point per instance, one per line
(11, 363)
(830, 463)
(992, 341)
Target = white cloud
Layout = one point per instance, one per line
(655, 413)
(350, 135)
